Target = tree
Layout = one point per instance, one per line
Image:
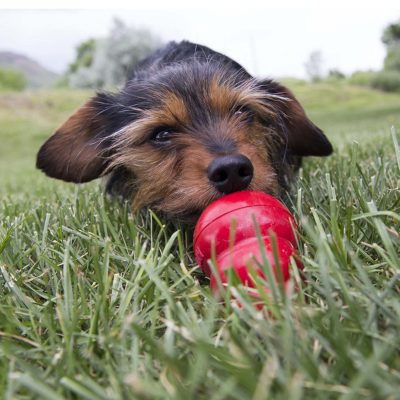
(11, 79)
(391, 39)
(314, 66)
(84, 55)
(106, 62)
(336, 74)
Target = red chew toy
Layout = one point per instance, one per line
(234, 215)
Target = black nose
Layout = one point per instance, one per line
(230, 173)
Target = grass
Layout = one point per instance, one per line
(98, 304)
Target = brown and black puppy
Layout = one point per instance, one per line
(189, 126)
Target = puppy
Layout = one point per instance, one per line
(189, 126)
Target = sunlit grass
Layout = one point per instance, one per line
(96, 303)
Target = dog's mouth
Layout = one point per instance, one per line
(190, 215)
(186, 217)
(187, 209)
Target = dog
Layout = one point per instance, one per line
(189, 126)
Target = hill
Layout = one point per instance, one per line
(36, 75)
(346, 112)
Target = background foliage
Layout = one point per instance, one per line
(11, 80)
(106, 62)
(387, 79)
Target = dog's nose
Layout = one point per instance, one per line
(230, 173)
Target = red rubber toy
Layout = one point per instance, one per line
(234, 215)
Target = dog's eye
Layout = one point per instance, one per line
(244, 113)
(162, 134)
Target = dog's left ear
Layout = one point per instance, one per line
(303, 137)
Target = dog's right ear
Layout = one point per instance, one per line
(77, 151)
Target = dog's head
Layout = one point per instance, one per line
(186, 133)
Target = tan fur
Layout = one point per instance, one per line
(224, 96)
(177, 181)
(163, 139)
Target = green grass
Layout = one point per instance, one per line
(349, 113)
(98, 304)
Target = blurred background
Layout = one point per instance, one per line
(342, 63)
(94, 48)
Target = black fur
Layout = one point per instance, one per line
(186, 69)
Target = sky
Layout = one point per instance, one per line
(268, 41)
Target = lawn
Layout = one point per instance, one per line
(96, 303)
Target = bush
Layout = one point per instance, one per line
(336, 74)
(11, 80)
(362, 78)
(388, 81)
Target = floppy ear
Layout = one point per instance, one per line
(303, 137)
(77, 150)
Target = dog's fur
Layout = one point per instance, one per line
(181, 108)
